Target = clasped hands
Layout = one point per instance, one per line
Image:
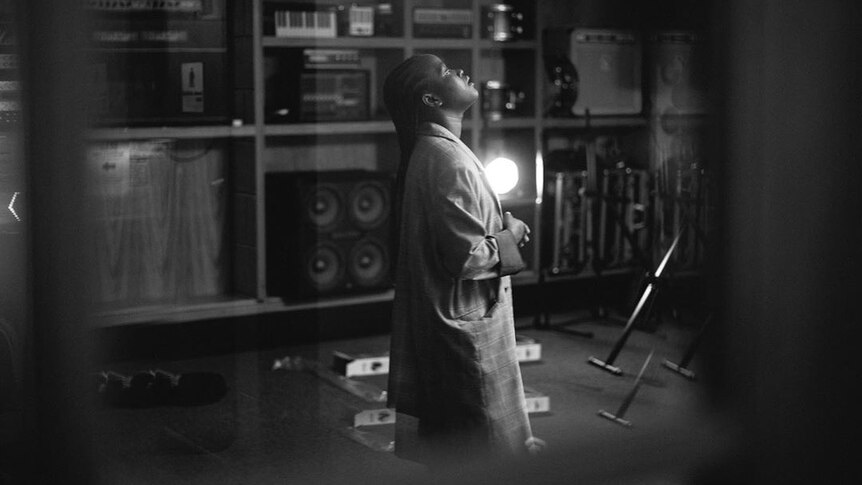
(517, 227)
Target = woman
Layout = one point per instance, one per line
(454, 377)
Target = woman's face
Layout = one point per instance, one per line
(453, 87)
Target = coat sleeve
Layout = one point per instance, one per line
(465, 249)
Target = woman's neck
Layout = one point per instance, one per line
(448, 120)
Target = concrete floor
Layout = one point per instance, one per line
(289, 426)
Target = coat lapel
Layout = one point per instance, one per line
(433, 129)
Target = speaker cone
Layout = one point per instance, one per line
(369, 263)
(323, 207)
(324, 268)
(369, 205)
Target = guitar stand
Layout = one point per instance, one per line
(699, 237)
(599, 312)
(651, 287)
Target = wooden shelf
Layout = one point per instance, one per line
(335, 128)
(272, 141)
(176, 313)
(330, 128)
(518, 44)
(227, 307)
(394, 43)
(184, 132)
(510, 123)
(595, 121)
(273, 304)
(338, 42)
(160, 50)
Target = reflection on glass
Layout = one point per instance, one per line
(13, 253)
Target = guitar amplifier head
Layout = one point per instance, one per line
(678, 73)
(334, 95)
(609, 71)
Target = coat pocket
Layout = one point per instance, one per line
(473, 300)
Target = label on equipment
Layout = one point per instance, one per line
(193, 87)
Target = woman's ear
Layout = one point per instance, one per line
(429, 99)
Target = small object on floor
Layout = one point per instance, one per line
(374, 417)
(618, 417)
(527, 349)
(378, 438)
(681, 368)
(537, 402)
(113, 387)
(160, 388)
(366, 391)
(360, 365)
(605, 366)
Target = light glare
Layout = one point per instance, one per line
(502, 174)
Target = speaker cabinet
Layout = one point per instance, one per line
(609, 71)
(328, 233)
(679, 73)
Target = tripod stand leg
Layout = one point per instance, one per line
(621, 412)
(608, 364)
(681, 368)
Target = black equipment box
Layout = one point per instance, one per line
(609, 71)
(328, 89)
(334, 95)
(158, 62)
(156, 88)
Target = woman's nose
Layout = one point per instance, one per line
(460, 73)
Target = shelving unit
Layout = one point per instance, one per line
(250, 145)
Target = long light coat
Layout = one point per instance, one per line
(454, 376)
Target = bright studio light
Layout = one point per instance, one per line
(502, 174)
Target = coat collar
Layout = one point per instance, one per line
(429, 128)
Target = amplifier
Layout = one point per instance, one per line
(184, 6)
(679, 73)
(609, 71)
(330, 58)
(442, 22)
(330, 92)
(175, 8)
(330, 95)
(158, 87)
